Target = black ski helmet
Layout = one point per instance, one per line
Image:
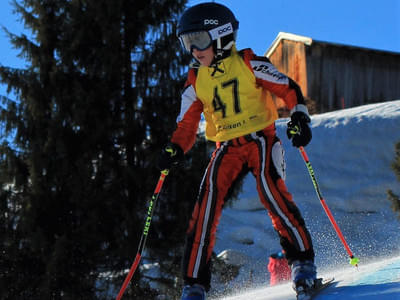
(214, 18)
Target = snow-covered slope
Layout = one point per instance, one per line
(351, 153)
(374, 281)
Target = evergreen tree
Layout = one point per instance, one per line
(93, 108)
(395, 199)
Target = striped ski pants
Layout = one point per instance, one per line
(262, 153)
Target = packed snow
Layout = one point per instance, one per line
(373, 281)
(351, 153)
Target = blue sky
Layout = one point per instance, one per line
(364, 23)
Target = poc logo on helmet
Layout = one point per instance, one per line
(225, 29)
(210, 22)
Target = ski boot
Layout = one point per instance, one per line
(193, 292)
(304, 276)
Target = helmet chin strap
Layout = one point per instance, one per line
(229, 45)
(221, 53)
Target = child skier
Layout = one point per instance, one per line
(229, 87)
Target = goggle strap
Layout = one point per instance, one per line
(221, 31)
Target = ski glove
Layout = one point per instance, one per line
(171, 155)
(298, 130)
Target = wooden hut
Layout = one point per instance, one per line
(334, 76)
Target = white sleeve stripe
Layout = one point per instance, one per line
(267, 71)
(188, 97)
(299, 107)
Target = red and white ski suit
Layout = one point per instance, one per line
(232, 98)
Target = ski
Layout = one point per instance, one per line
(319, 285)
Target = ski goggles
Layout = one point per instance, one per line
(200, 40)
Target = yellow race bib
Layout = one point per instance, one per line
(234, 105)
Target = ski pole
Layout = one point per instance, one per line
(353, 260)
(142, 242)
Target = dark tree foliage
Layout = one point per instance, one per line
(93, 107)
(395, 199)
